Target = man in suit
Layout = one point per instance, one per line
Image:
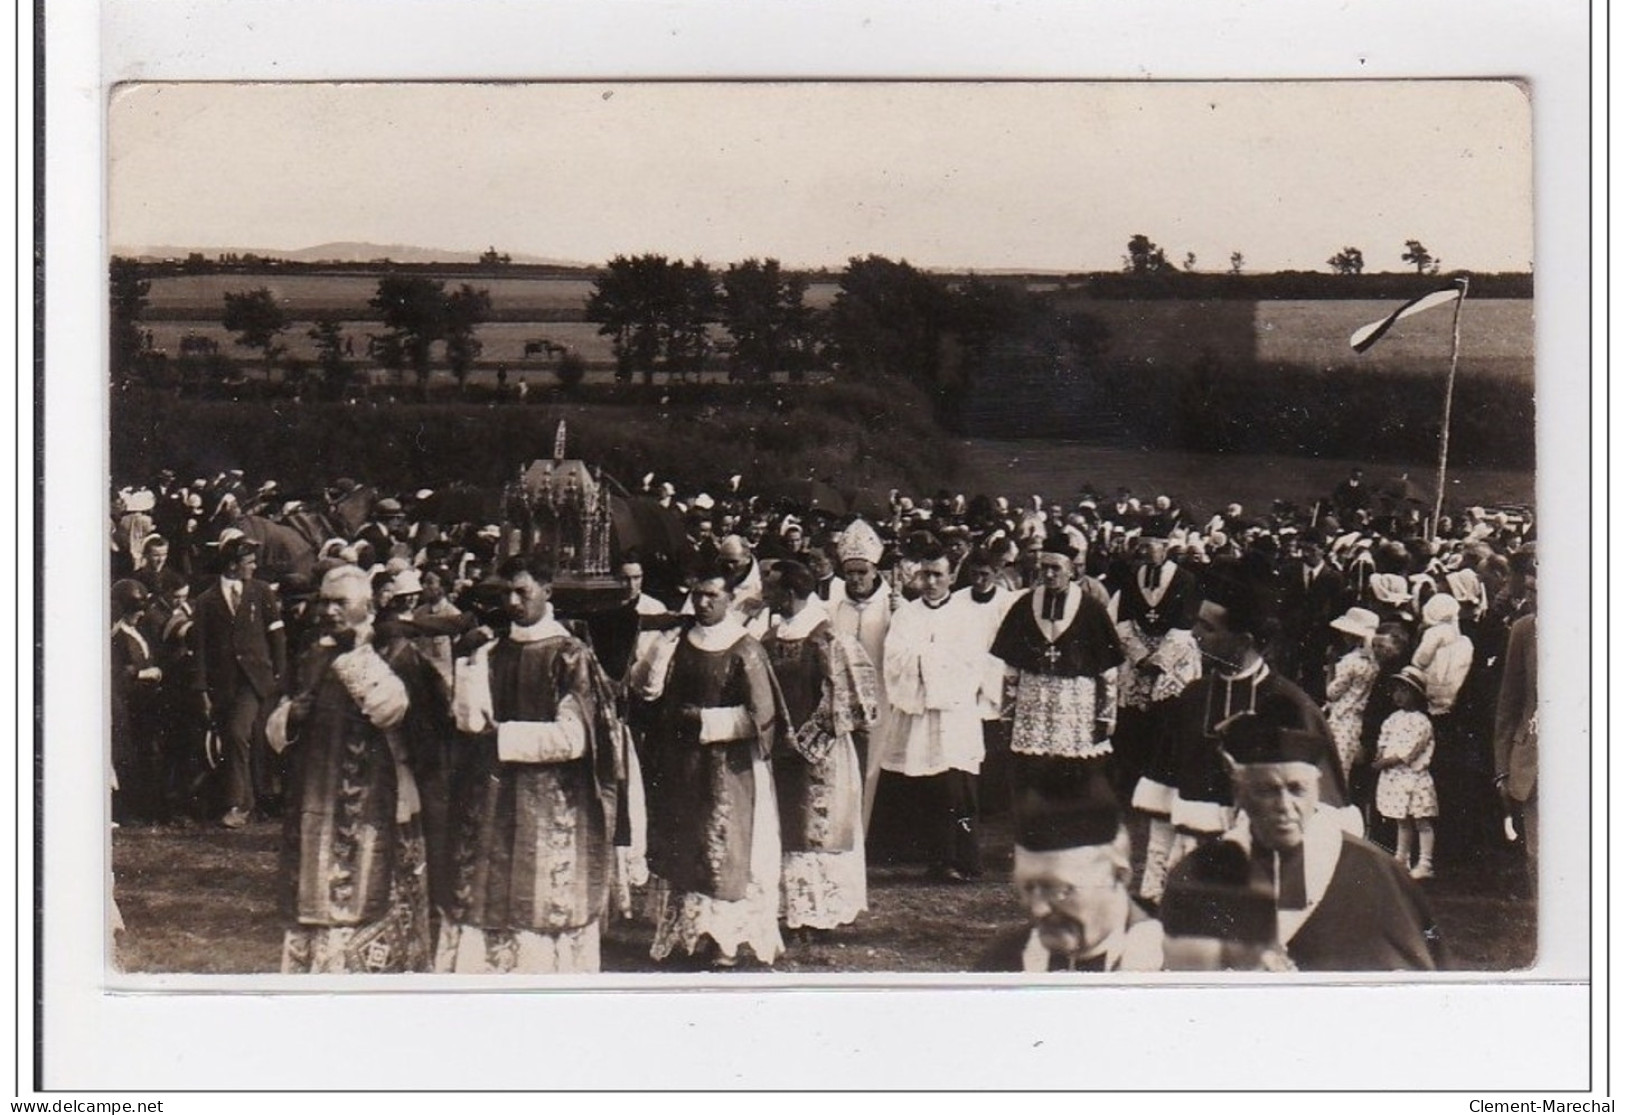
(240, 660)
(1311, 597)
(1517, 738)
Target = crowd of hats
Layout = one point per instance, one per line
(1385, 546)
(1399, 566)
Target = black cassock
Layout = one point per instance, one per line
(1087, 648)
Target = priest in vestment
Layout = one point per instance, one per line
(931, 750)
(863, 612)
(352, 853)
(1342, 904)
(744, 575)
(1232, 620)
(535, 793)
(990, 599)
(714, 843)
(828, 684)
(1061, 654)
(1155, 610)
(427, 730)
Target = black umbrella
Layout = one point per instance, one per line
(461, 503)
(659, 537)
(644, 525)
(869, 503)
(1401, 489)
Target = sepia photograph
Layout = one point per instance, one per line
(852, 545)
(821, 529)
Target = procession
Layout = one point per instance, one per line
(493, 729)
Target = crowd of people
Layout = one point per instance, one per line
(1244, 741)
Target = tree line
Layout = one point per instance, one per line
(1145, 256)
(680, 318)
(888, 318)
(417, 313)
(677, 318)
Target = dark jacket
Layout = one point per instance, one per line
(248, 648)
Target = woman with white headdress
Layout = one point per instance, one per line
(1445, 657)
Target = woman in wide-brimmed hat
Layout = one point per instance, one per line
(1349, 687)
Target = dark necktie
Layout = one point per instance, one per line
(1054, 606)
(1153, 577)
(1291, 892)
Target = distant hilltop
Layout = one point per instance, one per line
(341, 251)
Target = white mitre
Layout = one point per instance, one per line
(859, 541)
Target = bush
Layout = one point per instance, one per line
(1219, 406)
(570, 371)
(853, 435)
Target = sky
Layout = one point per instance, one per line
(983, 176)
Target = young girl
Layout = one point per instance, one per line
(1405, 792)
(1349, 687)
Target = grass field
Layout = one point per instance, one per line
(1203, 483)
(504, 342)
(301, 295)
(204, 900)
(1497, 334)
(305, 294)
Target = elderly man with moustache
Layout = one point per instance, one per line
(1072, 872)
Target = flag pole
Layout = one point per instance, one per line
(1449, 395)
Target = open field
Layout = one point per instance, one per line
(504, 341)
(204, 900)
(1203, 483)
(304, 295)
(1497, 334)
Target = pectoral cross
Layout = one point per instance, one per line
(1151, 615)
(1052, 655)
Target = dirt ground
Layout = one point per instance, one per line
(202, 899)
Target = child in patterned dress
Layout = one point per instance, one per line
(1405, 792)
